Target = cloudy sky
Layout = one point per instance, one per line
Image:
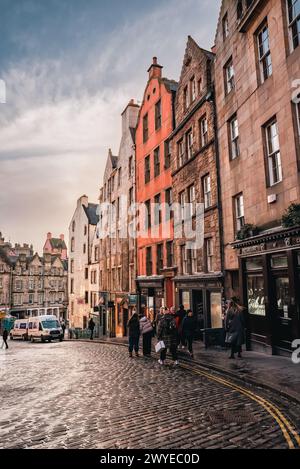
(70, 67)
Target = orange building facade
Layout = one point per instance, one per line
(154, 187)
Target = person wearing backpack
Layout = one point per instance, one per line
(167, 332)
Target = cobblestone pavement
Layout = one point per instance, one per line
(81, 395)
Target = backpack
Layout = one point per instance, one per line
(169, 325)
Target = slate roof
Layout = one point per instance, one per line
(91, 213)
(58, 243)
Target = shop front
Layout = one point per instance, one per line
(204, 296)
(151, 295)
(270, 281)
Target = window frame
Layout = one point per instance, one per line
(156, 155)
(273, 156)
(203, 126)
(207, 195)
(262, 57)
(234, 139)
(239, 212)
(158, 115)
(291, 23)
(147, 169)
(229, 80)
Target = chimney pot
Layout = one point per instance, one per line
(49, 235)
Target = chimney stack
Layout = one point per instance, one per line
(49, 235)
(62, 237)
(155, 70)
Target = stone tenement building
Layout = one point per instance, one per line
(117, 249)
(31, 285)
(83, 271)
(154, 187)
(257, 63)
(198, 280)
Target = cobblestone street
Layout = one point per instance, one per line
(81, 395)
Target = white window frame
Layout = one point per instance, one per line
(209, 254)
(189, 144)
(292, 22)
(193, 89)
(203, 131)
(273, 155)
(239, 212)
(192, 200)
(182, 197)
(234, 138)
(180, 152)
(225, 26)
(207, 191)
(229, 77)
(194, 263)
(264, 54)
(297, 106)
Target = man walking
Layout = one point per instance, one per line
(167, 332)
(4, 337)
(91, 328)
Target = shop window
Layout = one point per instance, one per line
(256, 295)
(279, 262)
(254, 263)
(216, 310)
(283, 296)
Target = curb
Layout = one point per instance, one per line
(217, 369)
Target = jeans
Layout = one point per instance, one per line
(4, 342)
(189, 340)
(92, 334)
(134, 344)
(173, 350)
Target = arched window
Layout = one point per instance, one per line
(239, 10)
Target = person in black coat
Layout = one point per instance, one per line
(235, 328)
(91, 328)
(134, 334)
(5, 336)
(179, 317)
(188, 330)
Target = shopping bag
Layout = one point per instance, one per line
(159, 346)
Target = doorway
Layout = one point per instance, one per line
(198, 309)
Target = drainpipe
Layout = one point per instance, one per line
(220, 209)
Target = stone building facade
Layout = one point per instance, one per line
(82, 231)
(194, 164)
(154, 187)
(31, 285)
(257, 65)
(117, 248)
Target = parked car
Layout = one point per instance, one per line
(20, 330)
(44, 328)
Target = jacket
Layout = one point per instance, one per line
(134, 328)
(167, 331)
(188, 326)
(235, 324)
(145, 325)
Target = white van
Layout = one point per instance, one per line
(20, 330)
(44, 328)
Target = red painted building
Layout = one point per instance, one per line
(154, 186)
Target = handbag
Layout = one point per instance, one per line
(231, 338)
(160, 346)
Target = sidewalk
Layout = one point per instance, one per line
(273, 372)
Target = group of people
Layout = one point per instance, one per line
(177, 329)
(172, 328)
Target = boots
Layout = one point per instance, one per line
(137, 354)
(130, 354)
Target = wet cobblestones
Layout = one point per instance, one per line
(81, 395)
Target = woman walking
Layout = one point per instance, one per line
(188, 330)
(235, 328)
(134, 334)
(147, 334)
(167, 332)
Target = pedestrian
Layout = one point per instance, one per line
(63, 326)
(188, 330)
(167, 332)
(4, 337)
(146, 330)
(91, 328)
(179, 316)
(235, 327)
(134, 334)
